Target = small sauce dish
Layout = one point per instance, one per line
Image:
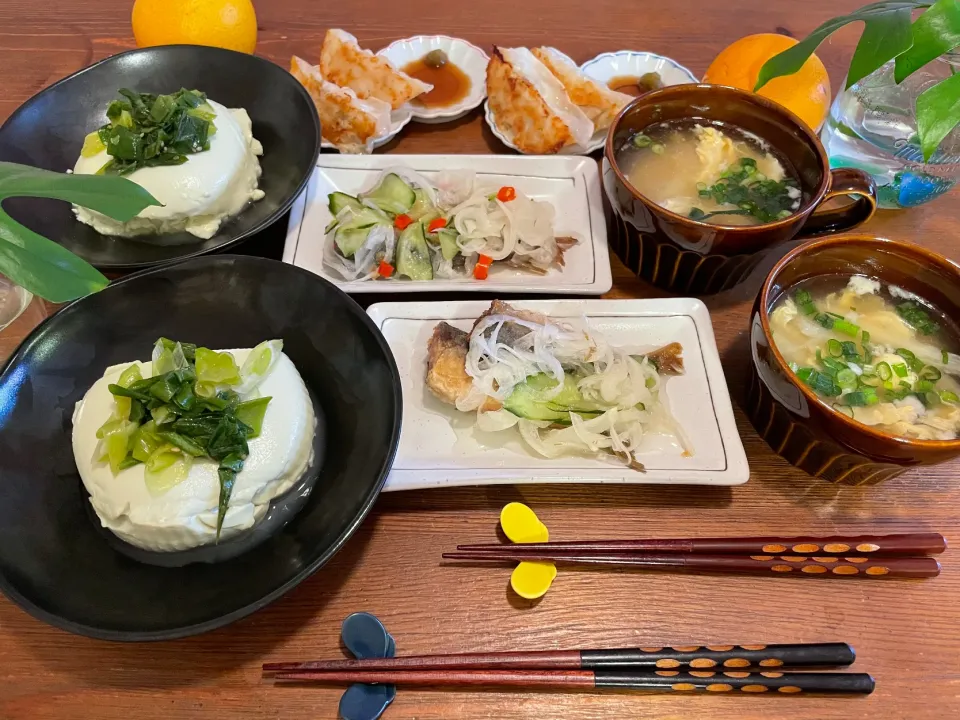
(457, 70)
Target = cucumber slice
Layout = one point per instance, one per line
(448, 242)
(527, 400)
(392, 195)
(349, 240)
(366, 218)
(337, 201)
(413, 256)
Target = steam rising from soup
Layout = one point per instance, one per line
(713, 173)
(878, 354)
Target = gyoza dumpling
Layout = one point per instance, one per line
(346, 121)
(598, 102)
(344, 63)
(530, 106)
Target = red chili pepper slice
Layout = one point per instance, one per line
(506, 194)
(436, 225)
(402, 221)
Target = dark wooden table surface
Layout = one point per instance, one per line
(907, 634)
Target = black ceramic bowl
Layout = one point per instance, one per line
(47, 131)
(54, 559)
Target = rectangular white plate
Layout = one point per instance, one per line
(572, 184)
(437, 443)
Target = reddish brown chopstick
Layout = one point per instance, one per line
(689, 657)
(901, 544)
(665, 681)
(819, 566)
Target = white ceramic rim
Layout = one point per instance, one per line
(399, 119)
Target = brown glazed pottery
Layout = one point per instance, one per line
(690, 257)
(789, 415)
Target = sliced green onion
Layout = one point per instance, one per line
(884, 371)
(949, 396)
(905, 354)
(900, 369)
(846, 327)
(824, 320)
(870, 380)
(849, 348)
(804, 373)
(843, 409)
(922, 386)
(857, 399)
(945, 356)
(930, 373)
(864, 337)
(847, 379)
(930, 399)
(834, 348)
(916, 365)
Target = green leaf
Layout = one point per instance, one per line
(884, 37)
(117, 198)
(935, 32)
(889, 19)
(938, 112)
(42, 266)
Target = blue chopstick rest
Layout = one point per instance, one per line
(365, 637)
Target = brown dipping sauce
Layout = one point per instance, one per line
(450, 83)
(631, 85)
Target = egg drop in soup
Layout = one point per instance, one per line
(714, 173)
(875, 352)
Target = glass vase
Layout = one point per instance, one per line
(872, 126)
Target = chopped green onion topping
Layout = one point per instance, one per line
(884, 371)
(834, 348)
(917, 317)
(930, 373)
(900, 369)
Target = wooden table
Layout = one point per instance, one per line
(906, 633)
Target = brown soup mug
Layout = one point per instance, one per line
(788, 414)
(686, 256)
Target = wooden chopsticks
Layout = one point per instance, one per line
(664, 681)
(691, 657)
(901, 544)
(868, 556)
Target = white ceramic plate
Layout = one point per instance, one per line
(572, 184)
(439, 448)
(398, 120)
(466, 56)
(604, 68)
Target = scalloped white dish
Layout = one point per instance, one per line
(606, 66)
(398, 120)
(464, 55)
(439, 447)
(570, 184)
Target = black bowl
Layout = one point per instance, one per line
(47, 131)
(54, 560)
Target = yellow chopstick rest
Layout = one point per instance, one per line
(530, 580)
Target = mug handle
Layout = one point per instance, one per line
(852, 183)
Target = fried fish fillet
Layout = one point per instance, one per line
(446, 366)
(530, 106)
(346, 121)
(596, 100)
(344, 63)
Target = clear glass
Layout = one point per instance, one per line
(872, 126)
(13, 301)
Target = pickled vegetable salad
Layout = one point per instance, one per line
(563, 385)
(409, 227)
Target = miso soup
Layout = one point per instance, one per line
(874, 352)
(711, 172)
